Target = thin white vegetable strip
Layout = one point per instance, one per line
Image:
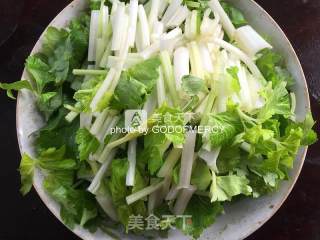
(104, 128)
(169, 76)
(181, 64)
(183, 200)
(85, 120)
(103, 88)
(250, 41)
(170, 162)
(173, 193)
(187, 159)
(114, 61)
(151, 103)
(117, 26)
(154, 198)
(161, 94)
(157, 31)
(132, 153)
(99, 122)
(95, 184)
(144, 28)
(143, 193)
(154, 12)
(243, 57)
(210, 157)
(245, 95)
(151, 51)
(224, 19)
(162, 7)
(105, 201)
(93, 35)
(171, 10)
(205, 57)
(180, 16)
(133, 18)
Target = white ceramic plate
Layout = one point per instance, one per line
(241, 218)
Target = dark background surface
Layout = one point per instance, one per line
(22, 22)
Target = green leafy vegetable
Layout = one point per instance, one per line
(87, 143)
(204, 214)
(193, 85)
(26, 169)
(234, 14)
(272, 67)
(201, 176)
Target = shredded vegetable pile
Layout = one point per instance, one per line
(217, 119)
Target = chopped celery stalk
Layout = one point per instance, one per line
(105, 56)
(179, 17)
(93, 35)
(246, 147)
(153, 15)
(187, 159)
(104, 128)
(151, 103)
(161, 93)
(125, 139)
(130, 61)
(195, 60)
(194, 24)
(162, 7)
(144, 28)
(171, 10)
(105, 202)
(245, 96)
(103, 88)
(106, 29)
(98, 122)
(243, 57)
(133, 16)
(83, 72)
(151, 51)
(85, 120)
(173, 193)
(224, 18)
(154, 198)
(117, 26)
(250, 41)
(169, 76)
(181, 65)
(95, 184)
(100, 47)
(102, 155)
(71, 116)
(170, 162)
(157, 31)
(132, 152)
(210, 157)
(208, 108)
(206, 58)
(144, 192)
(183, 200)
(71, 108)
